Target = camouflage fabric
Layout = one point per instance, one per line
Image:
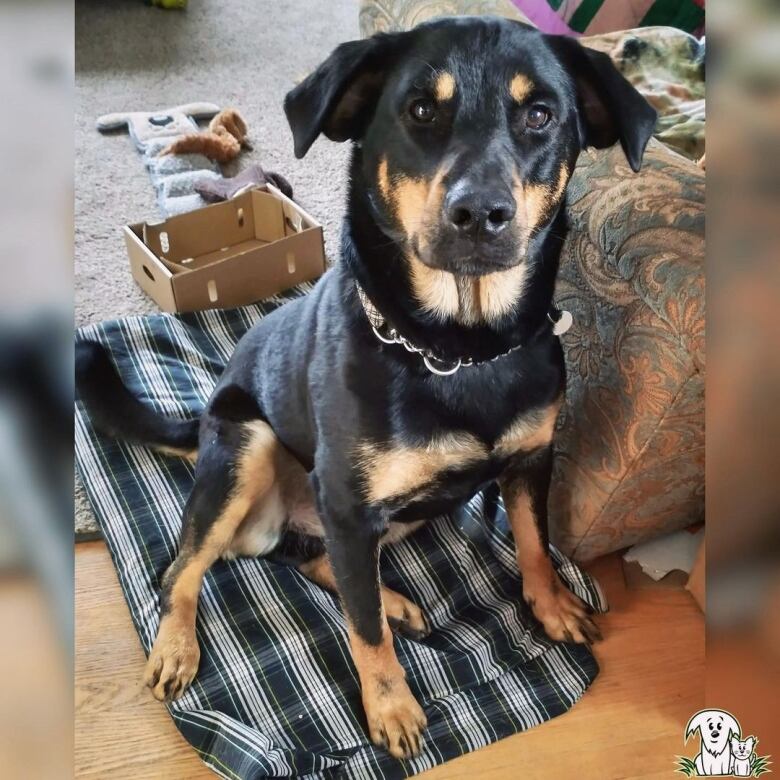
(667, 67)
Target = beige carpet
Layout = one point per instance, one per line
(243, 53)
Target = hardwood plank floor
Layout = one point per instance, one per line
(628, 725)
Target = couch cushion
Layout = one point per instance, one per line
(389, 15)
(630, 443)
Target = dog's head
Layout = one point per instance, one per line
(744, 748)
(715, 728)
(469, 129)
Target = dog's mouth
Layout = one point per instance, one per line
(473, 259)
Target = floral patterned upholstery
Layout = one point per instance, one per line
(630, 442)
(390, 15)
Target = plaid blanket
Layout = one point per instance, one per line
(276, 694)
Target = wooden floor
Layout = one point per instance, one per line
(628, 725)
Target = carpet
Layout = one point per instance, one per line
(245, 53)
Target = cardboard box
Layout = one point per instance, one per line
(228, 254)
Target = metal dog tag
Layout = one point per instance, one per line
(564, 323)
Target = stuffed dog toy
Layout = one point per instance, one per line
(222, 142)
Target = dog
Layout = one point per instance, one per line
(742, 752)
(423, 366)
(715, 727)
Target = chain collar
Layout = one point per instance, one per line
(432, 362)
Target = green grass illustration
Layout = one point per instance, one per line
(686, 766)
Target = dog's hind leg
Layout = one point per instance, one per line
(403, 616)
(235, 473)
(287, 505)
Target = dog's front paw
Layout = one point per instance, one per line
(395, 720)
(564, 616)
(173, 663)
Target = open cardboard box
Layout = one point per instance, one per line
(228, 254)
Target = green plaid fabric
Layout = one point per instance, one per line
(276, 694)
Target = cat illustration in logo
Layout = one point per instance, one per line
(715, 728)
(742, 752)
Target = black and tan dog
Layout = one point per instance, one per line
(423, 366)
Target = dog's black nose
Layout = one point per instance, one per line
(479, 212)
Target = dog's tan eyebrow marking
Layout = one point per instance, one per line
(520, 87)
(444, 89)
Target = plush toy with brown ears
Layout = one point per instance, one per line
(223, 141)
(173, 177)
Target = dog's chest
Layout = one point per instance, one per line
(450, 466)
(716, 764)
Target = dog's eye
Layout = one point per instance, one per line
(537, 117)
(422, 111)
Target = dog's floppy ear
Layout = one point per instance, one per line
(695, 723)
(731, 723)
(613, 109)
(339, 98)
